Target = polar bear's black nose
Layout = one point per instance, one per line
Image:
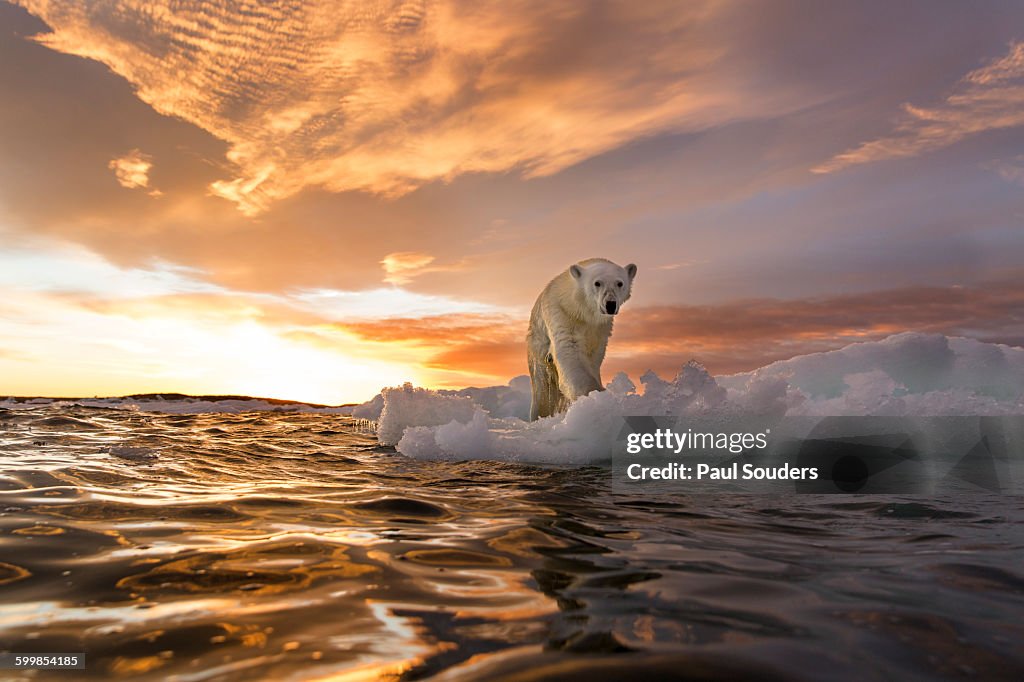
(610, 307)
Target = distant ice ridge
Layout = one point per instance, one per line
(908, 374)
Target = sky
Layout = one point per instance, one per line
(315, 200)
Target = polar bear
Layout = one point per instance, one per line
(569, 329)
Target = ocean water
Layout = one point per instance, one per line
(292, 546)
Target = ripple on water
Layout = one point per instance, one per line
(979, 577)
(289, 546)
(918, 510)
(10, 573)
(455, 557)
(64, 422)
(404, 507)
(256, 568)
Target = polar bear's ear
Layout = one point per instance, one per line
(575, 271)
(631, 271)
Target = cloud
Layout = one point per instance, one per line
(385, 302)
(37, 264)
(989, 98)
(401, 267)
(132, 169)
(482, 346)
(736, 195)
(676, 266)
(404, 266)
(1011, 170)
(387, 97)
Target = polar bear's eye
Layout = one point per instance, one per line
(597, 284)
(619, 284)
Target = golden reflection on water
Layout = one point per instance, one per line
(39, 530)
(291, 547)
(371, 672)
(455, 557)
(123, 666)
(10, 573)
(266, 569)
(524, 542)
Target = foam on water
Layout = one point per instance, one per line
(908, 374)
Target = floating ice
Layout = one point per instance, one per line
(512, 400)
(406, 406)
(907, 374)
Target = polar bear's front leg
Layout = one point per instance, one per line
(574, 376)
(545, 393)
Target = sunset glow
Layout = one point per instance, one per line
(318, 200)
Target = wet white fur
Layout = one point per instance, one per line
(569, 330)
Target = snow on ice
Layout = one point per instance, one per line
(908, 374)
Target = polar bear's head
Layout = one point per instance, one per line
(604, 285)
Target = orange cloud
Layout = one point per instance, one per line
(385, 98)
(744, 335)
(404, 266)
(989, 98)
(132, 169)
(209, 308)
(470, 348)
(401, 267)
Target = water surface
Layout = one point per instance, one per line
(291, 546)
